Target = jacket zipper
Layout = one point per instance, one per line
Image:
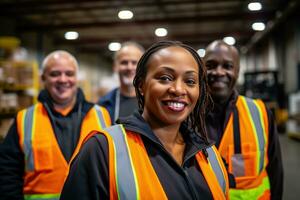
(186, 176)
(183, 169)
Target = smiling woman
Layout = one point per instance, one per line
(162, 152)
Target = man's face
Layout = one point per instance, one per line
(125, 64)
(60, 79)
(222, 71)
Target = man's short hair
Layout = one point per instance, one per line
(129, 43)
(55, 54)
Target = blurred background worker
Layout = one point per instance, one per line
(45, 137)
(243, 129)
(121, 101)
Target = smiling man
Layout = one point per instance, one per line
(121, 102)
(243, 129)
(35, 155)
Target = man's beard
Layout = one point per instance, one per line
(127, 81)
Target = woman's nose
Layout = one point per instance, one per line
(178, 88)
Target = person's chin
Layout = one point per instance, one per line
(127, 81)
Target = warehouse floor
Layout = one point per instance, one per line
(290, 149)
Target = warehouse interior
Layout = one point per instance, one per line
(268, 40)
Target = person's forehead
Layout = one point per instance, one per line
(221, 52)
(171, 52)
(57, 61)
(129, 51)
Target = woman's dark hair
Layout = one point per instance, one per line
(196, 119)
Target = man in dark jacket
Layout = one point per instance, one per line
(44, 138)
(121, 102)
(243, 129)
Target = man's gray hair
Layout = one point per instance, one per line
(55, 55)
(129, 43)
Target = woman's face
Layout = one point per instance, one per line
(171, 86)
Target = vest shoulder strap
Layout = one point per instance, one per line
(255, 114)
(216, 163)
(26, 122)
(101, 116)
(125, 177)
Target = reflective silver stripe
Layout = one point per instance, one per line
(28, 123)
(259, 130)
(100, 116)
(217, 168)
(125, 181)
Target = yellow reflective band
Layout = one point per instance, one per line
(253, 193)
(41, 196)
(116, 169)
(23, 128)
(33, 122)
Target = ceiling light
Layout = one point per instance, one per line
(71, 35)
(254, 6)
(114, 46)
(258, 26)
(125, 14)
(201, 52)
(161, 32)
(229, 40)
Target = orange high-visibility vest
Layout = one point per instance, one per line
(132, 175)
(244, 146)
(45, 166)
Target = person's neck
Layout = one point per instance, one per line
(64, 108)
(172, 140)
(128, 91)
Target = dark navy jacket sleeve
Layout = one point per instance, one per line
(274, 167)
(88, 176)
(11, 166)
(109, 102)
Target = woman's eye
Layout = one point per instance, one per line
(165, 78)
(191, 82)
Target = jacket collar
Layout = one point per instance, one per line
(137, 124)
(222, 112)
(45, 98)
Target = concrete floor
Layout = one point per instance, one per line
(291, 162)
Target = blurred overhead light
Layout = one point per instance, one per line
(114, 46)
(254, 6)
(201, 52)
(71, 35)
(125, 14)
(161, 32)
(229, 40)
(258, 26)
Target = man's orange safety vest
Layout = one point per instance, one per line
(132, 175)
(244, 147)
(45, 166)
